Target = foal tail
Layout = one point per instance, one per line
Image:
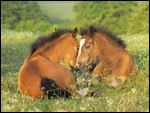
(50, 88)
(133, 68)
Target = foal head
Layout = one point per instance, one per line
(61, 44)
(85, 48)
(72, 49)
(94, 42)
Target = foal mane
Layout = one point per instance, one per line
(91, 30)
(42, 40)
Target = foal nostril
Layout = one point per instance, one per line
(78, 65)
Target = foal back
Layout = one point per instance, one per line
(111, 51)
(34, 70)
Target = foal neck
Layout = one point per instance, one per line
(56, 49)
(105, 42)
(104, 46)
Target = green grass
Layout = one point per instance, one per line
(132, 96)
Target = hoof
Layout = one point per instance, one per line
(84, 91)
(95, 94)
(114, 83)
(94, 82)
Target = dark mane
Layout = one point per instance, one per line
(93, 29)
(42, 40)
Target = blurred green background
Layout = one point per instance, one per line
(43, 16)
(23, 21)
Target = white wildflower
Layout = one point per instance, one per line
(57, 102)
(37, 110)
(82, 108)
(109, 101)
(133, 90)
(61, 110)
(84, 91)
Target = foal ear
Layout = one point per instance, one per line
(55, 29)
(75, 31)
(92, 30)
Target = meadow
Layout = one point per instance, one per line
(131, 96)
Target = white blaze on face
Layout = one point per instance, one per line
(81, 45)
(82, 41)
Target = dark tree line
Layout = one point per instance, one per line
(15, 12)
(117, 16)
(120, 17)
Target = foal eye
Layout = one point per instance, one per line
(77, 49)
(87, 45)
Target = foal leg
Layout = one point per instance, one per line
(73, 90)
(115, 79)
(121, 72)
(97, 73)
(133, 69)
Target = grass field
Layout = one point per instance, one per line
(132, 96)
